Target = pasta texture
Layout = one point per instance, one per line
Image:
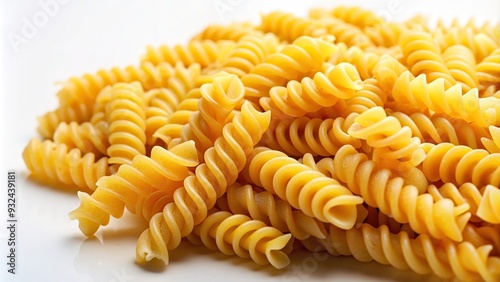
(340, 132)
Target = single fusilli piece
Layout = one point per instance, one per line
(481, 44)
(268, 208)
(127, 123)
(55, 162)
(311, 94)
(163, 171)
(387, 191)
(223, 162)
(303, 135)
(459, 164)
(489, 209)
(438, 128)
(462, 65)
(295, 61)
(88, 138)
(394, 145)
(357, 16)
(423, 255)
(248, 52)
(48, 123)
(421, 95)
(303, 187)
(203, 52)
(240, 235)
(289, 27)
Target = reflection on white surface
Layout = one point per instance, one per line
(84, 36)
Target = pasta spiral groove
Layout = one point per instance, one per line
(248, 238)
(88, 138)
(163, 171)
(55, 162)
(223, 162)
(405, 203)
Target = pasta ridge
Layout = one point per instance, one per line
(88, 138)
(289, 27)
(488, 209)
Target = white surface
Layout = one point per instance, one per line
(83, 36)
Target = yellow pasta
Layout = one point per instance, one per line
(164, 171)
(268, 208)
(55, 162)
(248, 238)
(340, 131)
(191, 203)
(127, 123)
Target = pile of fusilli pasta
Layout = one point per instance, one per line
(339, 131)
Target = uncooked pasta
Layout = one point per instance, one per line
(338, 132)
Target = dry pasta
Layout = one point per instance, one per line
(340, 131)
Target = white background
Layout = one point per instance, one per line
(83, 36)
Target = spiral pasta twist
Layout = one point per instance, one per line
(492, 144)
(488, 209)
(234, 32)
(55, 162)
(78, 94)
(459, 164)
(248, 52)
(387, 71)
(480, 43)
(316, 136)
(462, 65)
(444, 258)
(268, 208)
(422, 55)
(438, 128)
(466, 193)
(88, 138)
(127, 123)
(184, 79)
(310, 95)
(346, 33)
(304, 188)
(203, 52)
(161, 103)
(289, 27)
(393, 143)
(48, 123)
(223, 162)
(247, 238)
(363, 61)
(433, 96)
(357, 16)
(304, 56)
(163, 171)
(488, 70)
(369, 97)
(384, 34)
(405, 203)
(215, 108)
